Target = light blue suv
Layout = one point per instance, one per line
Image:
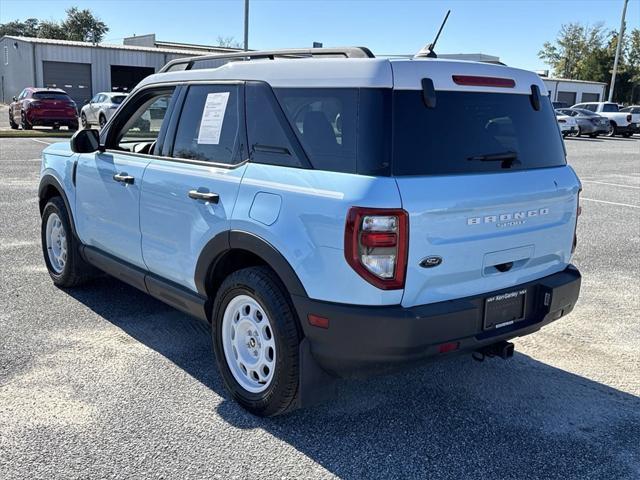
(329, 213)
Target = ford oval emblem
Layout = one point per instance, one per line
(431, 262)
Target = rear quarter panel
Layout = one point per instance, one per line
(302, 213)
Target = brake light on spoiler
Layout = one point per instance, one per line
(472, 80)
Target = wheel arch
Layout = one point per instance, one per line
(51, 187)
(232, 250)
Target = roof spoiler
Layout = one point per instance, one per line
(293, 53)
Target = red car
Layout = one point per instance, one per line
(50, 107)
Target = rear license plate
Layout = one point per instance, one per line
(504, 309)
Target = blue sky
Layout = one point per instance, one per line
(514, 30)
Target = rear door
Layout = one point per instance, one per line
(484, 179)
(189, 191)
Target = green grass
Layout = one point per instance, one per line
(35, 133)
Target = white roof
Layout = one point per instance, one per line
(405, 74)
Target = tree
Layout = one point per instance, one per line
(228, 42)
(28, 28)
(587, 53)
(50, 29)
(83, 26)
(573, 46)
(80, 25)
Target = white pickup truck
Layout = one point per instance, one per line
(620, 123)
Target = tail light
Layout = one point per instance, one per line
(34, 104)
(376, 245)
(575, 230)
(472, 80)
(629, 117)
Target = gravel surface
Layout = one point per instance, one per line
(105, 382)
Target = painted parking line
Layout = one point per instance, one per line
(42, 141)
(612, 184)
(610, 203)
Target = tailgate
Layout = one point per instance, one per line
(490, 231)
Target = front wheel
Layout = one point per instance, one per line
(102, 120)
(612, 129)
(83, 121)
(256, 339)
(59, 246)
(12, 124)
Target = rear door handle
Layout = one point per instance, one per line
(207, 196)
(124, 178)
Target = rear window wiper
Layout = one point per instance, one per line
(507, 158)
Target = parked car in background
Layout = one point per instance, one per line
(100, 108)
(568, 125)
(620, 123)
(589, 123)
(634, 110)
(48, 107)
(557, 105)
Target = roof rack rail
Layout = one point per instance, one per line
(347, 52)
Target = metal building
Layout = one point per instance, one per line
(574, 91)
(80, 68)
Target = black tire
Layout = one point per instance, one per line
(73, 127)
(75, 271)
(612, 129)
(83, 121)
(24, 123)
(265, 287)
(102, 120)
(12, 124)
(56, 127)
(626, 135)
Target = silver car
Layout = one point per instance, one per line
(100, 108)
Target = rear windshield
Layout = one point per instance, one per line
(473, 132)
(610, 107)
(118, 99)
(51, 96)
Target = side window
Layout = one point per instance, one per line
(591, 107)
(325, 121)
(136, 129)
(211, 125)
(271, 139)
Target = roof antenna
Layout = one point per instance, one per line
(428, 51)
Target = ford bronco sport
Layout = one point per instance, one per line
(319, 210)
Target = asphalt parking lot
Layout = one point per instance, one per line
(105, 382)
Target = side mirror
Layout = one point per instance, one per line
(86, 102)
(15, 99)
(85, 141)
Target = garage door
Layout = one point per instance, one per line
(567, 97)
(590, 97)
(73, 78)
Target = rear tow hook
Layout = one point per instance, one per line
(502, 349)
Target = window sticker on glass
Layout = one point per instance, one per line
(212, 117)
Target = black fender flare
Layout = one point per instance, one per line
(226, 241)
(50, 181)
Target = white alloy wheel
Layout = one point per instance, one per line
(248, 343)
(56, 243)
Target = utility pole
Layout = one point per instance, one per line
(618, 48)
(246, 25)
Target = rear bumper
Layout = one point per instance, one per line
(50, 120)
(364, 339)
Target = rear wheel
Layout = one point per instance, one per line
(612, 129)
(255, 339)
(60, 249)
(24, 123)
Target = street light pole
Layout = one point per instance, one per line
(618, 47)
(246, 25)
